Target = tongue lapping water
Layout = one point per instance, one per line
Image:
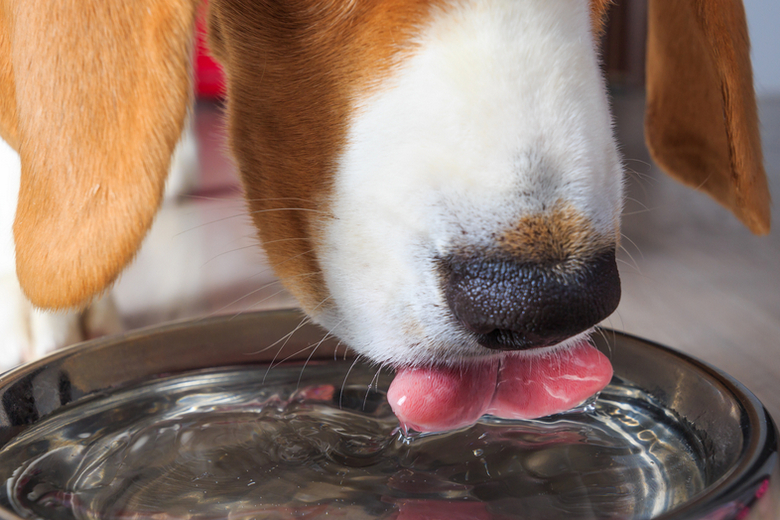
(521, 386)
(225, 444)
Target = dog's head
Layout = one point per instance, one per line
(430, 178)
(433, 180)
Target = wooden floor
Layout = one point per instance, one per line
(693, 278)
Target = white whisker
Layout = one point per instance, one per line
(286, 338)
(270, 210)
(374, 381)
(326, 336)
(344, 383)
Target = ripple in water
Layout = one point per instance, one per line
(225, 444)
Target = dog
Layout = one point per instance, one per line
(435, 181)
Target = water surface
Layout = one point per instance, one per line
(249, 442)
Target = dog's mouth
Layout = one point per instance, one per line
(524, 385)
(503, 339)
(537, 313)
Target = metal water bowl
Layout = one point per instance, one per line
(734, 435)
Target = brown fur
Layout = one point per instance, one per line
(101, 90)
(294, 68)
(7, 91)
(702, 123)
(561, 234)
(598, 15)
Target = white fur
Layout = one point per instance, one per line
(500, 113)
(185, 166)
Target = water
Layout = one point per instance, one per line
(225, 444)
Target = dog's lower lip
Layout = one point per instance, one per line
(500, 339)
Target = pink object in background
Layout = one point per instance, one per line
(209, 78)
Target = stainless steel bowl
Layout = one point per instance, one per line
(735, 432)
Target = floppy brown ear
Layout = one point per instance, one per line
(7, 88)
(701, 122)
(94, 95)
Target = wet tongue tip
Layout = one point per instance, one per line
(440, 398)
(433, 399)
(536, 386)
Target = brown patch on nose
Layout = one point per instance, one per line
(561, 234)
(546, 278)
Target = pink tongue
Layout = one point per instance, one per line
(525, 386)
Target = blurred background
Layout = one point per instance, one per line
(693, 277)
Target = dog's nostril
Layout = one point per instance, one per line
(510, 304)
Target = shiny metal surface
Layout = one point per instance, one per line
(736, 433)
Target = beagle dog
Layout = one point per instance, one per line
(435, 181)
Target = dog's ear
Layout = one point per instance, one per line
(94, 96)
(701, 122)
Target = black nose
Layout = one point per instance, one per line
(514, 305)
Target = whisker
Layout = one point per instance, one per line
(271, 268)
(613, 327)
(303, 322)
(234, 197)
(628, 264)
(336, 351)
(247, 214)
(374, 380)
(640, 161)
(290, 258)
(253, 306)
(270, 210)
(603, 334)
(247, 295)
(204, 224)
(277, 199)
(697, 188)
(286, 338)
(636, 265)
(642, 179)
(326, 336)
(305, 363)
(249, 246)
(284, 240)
(626, 237)
(312, 346)
(344, 383)
(637, 212)
(642, 204)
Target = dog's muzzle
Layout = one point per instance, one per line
(512, 304)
